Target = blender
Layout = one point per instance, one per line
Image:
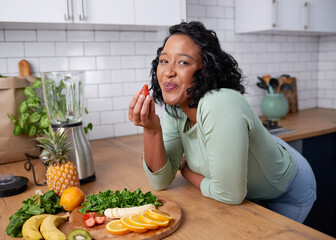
(63, 98)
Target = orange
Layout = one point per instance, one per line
(131, 226)
(71, 198)
(115, 227)
(145, 217)
(158, 214)
(137, 221)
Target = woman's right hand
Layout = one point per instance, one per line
(141, 112)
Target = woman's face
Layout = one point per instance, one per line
(179, 60)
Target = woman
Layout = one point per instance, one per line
(211, 134)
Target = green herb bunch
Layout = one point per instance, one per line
(33, 118)
(109, 199)
(46, 203)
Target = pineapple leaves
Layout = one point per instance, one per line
(55, 145)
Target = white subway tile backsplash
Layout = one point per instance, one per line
(3, 66)
(226, 24)
(123, 75)
(227, 3)
(39, 49)
(132, 88)
(108, 62)
(12, 66)
(120, 103)
(82, 63)
(54, 64)
(111, 117)
(215, 12)
(207, 2)
(96, 49)
(51, 36)
(133, 62)
(196, 11)
(142, 75)
(143, 48)
(90, 91)
(96, 77)
(122, 48)
(23, 35)
(131, 36)
(99, 104)
(80, 36)
(101, 132)
(2, 36)
(110, 90)
(122, 129)
(69, 49)
(107, 36)
(11, 49)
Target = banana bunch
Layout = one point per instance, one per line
(47, 224)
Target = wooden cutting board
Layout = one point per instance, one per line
(100, 232)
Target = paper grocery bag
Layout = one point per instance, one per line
(13, 148)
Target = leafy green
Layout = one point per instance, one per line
(125, 198)
(46, 203)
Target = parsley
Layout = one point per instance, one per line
(122, 199)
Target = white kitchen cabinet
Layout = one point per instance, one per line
(33, 11)
(276, 16)
(160, 12)
(93, 12)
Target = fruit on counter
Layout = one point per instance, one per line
(49, 227)
(61, 173)
(115, 227)
(30, 229)
(88, 215)
(79, 234)
(38, 204)
(131, 226)
(158, 214)
(90, 222)
(137, 221)
(122, 199)
(71, 198)
(100, 220)
(145, 217)
(145, 90)
(126, 212)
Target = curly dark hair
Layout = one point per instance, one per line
(220, 69)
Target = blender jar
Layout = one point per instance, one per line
(63, 96)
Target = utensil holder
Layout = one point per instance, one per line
(274, 106)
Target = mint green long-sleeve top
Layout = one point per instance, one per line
(229, 146)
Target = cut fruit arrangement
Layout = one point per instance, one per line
(151, 219)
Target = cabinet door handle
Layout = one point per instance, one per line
(275, 13)
(307, 8)
(67, 15)
(81, 7)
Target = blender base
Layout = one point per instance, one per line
(88, 179)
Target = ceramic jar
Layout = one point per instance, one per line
(274, 106)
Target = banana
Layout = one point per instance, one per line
(30, 229)
(49, 228)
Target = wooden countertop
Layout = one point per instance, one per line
(309, 123)
(118, 163)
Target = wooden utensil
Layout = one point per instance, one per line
(24, 68)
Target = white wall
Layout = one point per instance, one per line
(117, 63)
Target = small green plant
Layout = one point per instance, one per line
(33, 118)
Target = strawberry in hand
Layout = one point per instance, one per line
(145, 90)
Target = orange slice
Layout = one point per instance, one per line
(137, 221)
(145, 217)
(158, 214)
(131, 226)
(115, 227)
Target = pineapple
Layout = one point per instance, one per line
(61, 173)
